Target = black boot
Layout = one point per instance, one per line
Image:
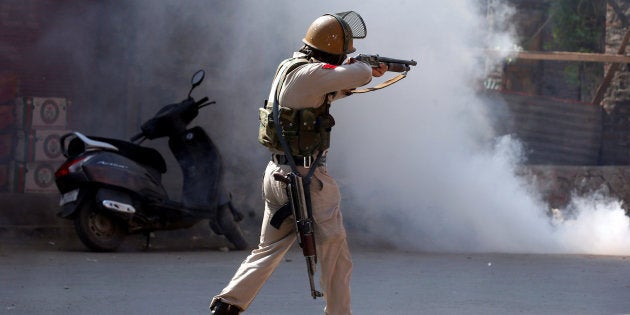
(222, 308)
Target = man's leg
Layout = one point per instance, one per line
(261, 262)
(332, 248)
(336, 270)
(259, 265)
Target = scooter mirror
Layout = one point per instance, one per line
(197, 78)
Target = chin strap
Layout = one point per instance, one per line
(382, 85)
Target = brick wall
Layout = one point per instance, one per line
(29, 71)
(616, 119)
(39, 72)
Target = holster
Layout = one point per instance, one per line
(280, 215)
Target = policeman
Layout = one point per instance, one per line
(305, 86)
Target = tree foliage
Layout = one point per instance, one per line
(578, 25)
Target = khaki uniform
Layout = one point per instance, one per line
(306, 86)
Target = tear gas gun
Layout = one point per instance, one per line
(394, 65)
(299, 201)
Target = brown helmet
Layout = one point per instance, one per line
(333, 33)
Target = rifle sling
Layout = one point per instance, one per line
(382, 85)
(306, 181)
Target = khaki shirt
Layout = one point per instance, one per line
(307, 85)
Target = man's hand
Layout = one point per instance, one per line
(382, 68)
(376, 72)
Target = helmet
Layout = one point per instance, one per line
(333, 33)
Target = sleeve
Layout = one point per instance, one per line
(332, 78)
(307, 85)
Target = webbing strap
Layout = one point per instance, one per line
(382, 85)
(306, 181)
(285, 68)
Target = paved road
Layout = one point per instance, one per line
(49, 277)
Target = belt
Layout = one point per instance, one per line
(305, 161)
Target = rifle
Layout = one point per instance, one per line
(394, 65)
(299, 200)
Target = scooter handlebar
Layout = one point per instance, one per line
(136, 137)
(170, 116)
(201, 101)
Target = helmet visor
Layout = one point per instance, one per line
(353, 27)
(353, 22)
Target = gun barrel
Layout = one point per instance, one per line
(397, 67)
(401, 61)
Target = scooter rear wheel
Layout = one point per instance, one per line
(98, 230)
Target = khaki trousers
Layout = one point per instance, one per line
(333, 254)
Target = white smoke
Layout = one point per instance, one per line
(601, 226)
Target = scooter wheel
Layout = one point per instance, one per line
(98, 230)
(235, 236)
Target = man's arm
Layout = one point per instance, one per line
(307, 85)
(376, 71)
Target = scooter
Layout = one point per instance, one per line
(111, 188)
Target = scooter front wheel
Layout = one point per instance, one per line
(230, 229)
(235, 236)
(98, 230)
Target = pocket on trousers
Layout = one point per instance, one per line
(325, 198)
(274, 192)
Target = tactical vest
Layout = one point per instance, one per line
(306, 131)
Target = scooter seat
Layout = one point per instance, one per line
(143, 155)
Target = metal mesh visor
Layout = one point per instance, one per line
(353, 22)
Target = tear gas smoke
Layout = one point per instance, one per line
(419, 164)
